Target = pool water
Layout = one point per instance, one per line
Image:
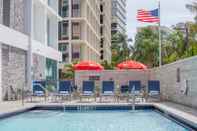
(142, 120)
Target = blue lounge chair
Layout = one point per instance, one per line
(65, 89)
(154, 88)
(107, 89)
(135, 86)
(88, 90)
(39, 89)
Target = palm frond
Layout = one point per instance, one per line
(192, 7)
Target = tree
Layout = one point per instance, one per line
(192, 38)
(193, 8)
(121, 49)
(173, 47)
(176, 44)
(67, 72)
(107, 66)
(146, 47)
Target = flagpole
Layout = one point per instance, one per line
(160, 42)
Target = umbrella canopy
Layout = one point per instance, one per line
(130, 64)
(88, 65)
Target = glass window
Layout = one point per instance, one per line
(76, 30)
(75, 8)
(64, 31)
(6, 12)
(65, 8)
(48, 32)
(65, 57)
(63, 47)
(76, 52)
(51, 69)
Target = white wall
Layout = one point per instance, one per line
(176, 91)
(120, 77)
(16, 39)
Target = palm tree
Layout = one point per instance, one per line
(146, 47)
(193, 8)
(67, 72)
(121, 49)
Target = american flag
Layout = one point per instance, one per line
(148, 16)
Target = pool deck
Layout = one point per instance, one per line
(187, 114)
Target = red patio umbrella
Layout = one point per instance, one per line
(88, 65)
(130, 64)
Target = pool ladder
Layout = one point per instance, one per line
(63, 107)
(85, 108)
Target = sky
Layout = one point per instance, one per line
(172, 12)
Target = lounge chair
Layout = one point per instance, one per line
(107, 89)
(39, 89)
(124, 91)
(64, 90)
(135, 88)
(88, 90)
(154, 89)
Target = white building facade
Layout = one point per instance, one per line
(79, 36)
(80, 31)
(105, 30)
(119, 16)
(28, 44)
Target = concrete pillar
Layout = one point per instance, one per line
(29, 53)
(70, 31)
(1, 98)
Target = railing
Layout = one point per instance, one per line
(85, 108)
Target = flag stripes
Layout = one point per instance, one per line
(148, 16)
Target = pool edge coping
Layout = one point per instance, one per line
(182, 116)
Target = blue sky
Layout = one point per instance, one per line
(172, 12)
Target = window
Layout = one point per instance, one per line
(101, 19)
(65, 57)
(64, 33)
(101, 31)
(102, 41)
(75, 55)
(178, 77)
(51, 69)
(65, 8)
(63, 47)
(75, 52)
(76, 30)
(48, 32)
(75, 8)
(6, 12)
(101, 8)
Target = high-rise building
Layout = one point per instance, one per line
(105, 30)
(28, 44)
(118, 16)
(79, 32)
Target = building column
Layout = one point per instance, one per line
(29, 52)
(1, 97)
(70, 31)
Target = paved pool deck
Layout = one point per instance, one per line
(185, 113)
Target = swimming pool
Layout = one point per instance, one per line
(94, 120)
